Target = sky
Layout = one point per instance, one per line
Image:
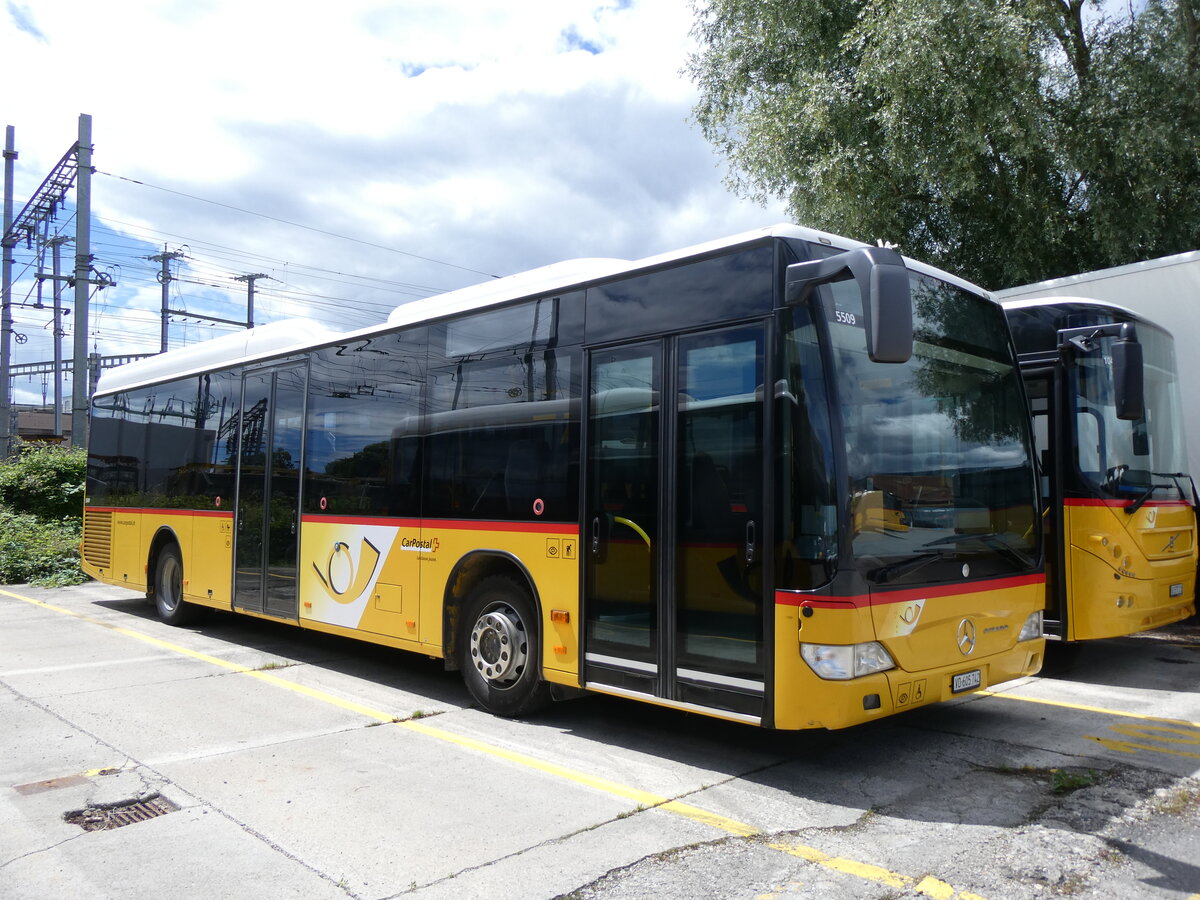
(358, 154)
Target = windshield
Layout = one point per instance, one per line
(1145, 458)
(938, 451)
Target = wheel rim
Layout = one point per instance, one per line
(170, 582)
(499, 645)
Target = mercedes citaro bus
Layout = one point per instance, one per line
(782, 478)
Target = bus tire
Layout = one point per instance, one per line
(499, 649)
(168, 588)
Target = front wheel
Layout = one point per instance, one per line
(499, 649)
(168, 588)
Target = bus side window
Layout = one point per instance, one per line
(492, 425)
(358, 402)
(523, 475)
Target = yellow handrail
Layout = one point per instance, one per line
(621, 520)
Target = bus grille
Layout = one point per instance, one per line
(97, 538)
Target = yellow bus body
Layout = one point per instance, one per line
(919, 628)
(380, 580)
(1128, 573)
(387, 580)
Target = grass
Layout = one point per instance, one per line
(1178, 801)
(1066, 781)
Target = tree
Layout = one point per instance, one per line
(1008, 141)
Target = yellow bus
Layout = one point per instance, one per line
(649, 479)
(1119, 506)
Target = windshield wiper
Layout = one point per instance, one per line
(1141, 498)
(1178, 478)
(992, 540)
(888, 573)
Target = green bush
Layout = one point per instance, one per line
(44, 480)
(41, 515)
(41, 551)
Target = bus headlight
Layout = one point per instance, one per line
(840, 662)
(1032, 627)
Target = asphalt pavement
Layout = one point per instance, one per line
(242, 757)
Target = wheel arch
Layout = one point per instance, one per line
(469, 571)
(164, 537)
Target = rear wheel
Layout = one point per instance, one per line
(168, 588)
(499, 649)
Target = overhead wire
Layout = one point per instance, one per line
(256, 258)
(250, 212)
(127, 251)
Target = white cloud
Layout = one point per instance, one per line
(496, 136)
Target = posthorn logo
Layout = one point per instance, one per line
(343, 578)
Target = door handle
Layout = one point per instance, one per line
(751, 541)
(596, 535)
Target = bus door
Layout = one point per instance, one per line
(268, 490)
(674, 594)
(1048, 442)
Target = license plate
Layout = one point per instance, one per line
(966, 681)
(1177, 590)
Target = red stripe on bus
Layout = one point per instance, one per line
(1120, 504)
(397, 522)
(147, 511)
(565, 528)
(882, 598)
(448, 524)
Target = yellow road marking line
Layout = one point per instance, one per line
(315, 694)
(644, 798)
(1084, 708)
(931, 887)
(927, 886)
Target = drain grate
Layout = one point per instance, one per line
(118, 815)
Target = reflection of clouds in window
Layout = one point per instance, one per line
(720, 371)
(531, 324)
(931, 426)
(996, 455)
(953, 406)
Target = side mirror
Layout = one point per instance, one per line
(882, 280)
(1128, 369)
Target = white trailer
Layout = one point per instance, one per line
(1164, 290)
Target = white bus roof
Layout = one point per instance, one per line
(277, 338)
(261, 341)
(1032, 302)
